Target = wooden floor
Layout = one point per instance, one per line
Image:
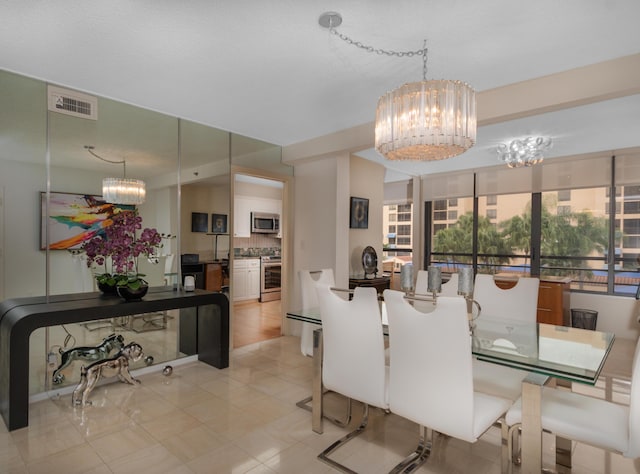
(255, 322)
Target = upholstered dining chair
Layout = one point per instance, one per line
(450, 288)
(431, 375)
(353, 362)
(308, 281)
(520, 303)
(593, 421)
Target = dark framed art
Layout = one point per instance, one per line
(74, 219)
(219, 223)
(359, 215)
(199, 222)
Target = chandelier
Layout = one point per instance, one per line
(120, 190)
(525, 152)
(426, 120)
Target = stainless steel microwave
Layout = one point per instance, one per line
(265, 223)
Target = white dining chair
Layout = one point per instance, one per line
(593, 421)
(308, 282)
(353, 362)
(449, 288)
(309, 294)
(519, 303)
(431, 375)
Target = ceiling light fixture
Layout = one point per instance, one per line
(426, 120)
(120, 190)
(524, 152)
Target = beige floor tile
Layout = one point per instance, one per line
(170, 424)
(122, 443)
(296, 459)
(78, 459)
(192, 444)
(153, 459)
(226, 459)
(262, 444)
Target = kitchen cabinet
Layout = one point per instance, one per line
(242, 216)
(553, 298)
(246, 279)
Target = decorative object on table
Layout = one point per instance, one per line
(465, 288)
(406, 278)
(219, 223)
(120, 190)
(148, 360)
(167, 370)
(90, 353)
(426, 120)
(118, 251)
(117, 365)
(199, 222)
(189, 283)
(74, 219)
(369, 261)
(525, 152)
(434, 281)
(359, 214)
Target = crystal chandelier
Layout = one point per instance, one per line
(525, 152)
(426, 120)
(121, 190)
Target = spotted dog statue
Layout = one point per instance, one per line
(117, 365)
(109, 344)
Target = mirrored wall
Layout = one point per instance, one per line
(186, 169)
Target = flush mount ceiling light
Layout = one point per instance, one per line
(524, 152)
(120, 190)
(425, 120)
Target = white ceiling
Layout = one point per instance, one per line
(269, 71)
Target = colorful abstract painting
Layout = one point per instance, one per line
(74, 218)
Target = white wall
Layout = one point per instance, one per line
(366, 181)
(616, 314)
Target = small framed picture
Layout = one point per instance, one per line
(219, 223)
(199, 222)
(359, 215)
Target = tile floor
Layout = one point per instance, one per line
(238, 420)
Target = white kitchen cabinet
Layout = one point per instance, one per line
(242, 216)
(246, 279)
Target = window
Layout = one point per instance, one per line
(631, 207)
(492, 213)
(453, 202)
(564, 195)
(492, 200)
(392, 229)
(404, 230)
(440, 205)
(564, 210)
(440, 216)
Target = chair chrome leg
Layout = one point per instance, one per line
(324, 455)
(419, 456)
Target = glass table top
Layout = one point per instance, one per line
(570, 353)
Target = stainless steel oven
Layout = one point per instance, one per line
(270, 272)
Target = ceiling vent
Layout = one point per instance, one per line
(74, 103)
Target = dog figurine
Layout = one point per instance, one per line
(109, 344)
(117, 365)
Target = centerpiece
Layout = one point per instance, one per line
(117, 249)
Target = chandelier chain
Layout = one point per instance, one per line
(386, 52)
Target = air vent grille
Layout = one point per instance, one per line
(73, 103)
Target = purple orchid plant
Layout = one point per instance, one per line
(123, 246)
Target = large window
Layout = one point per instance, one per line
(589, 233)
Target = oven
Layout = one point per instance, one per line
(270, 272)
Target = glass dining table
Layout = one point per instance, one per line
(547, 352)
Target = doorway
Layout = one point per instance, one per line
(255, 317)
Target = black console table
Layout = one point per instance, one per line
(204, 329)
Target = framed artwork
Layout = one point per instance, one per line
(74, 219)
(359, 215)
(219, 223)
(199, 222)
